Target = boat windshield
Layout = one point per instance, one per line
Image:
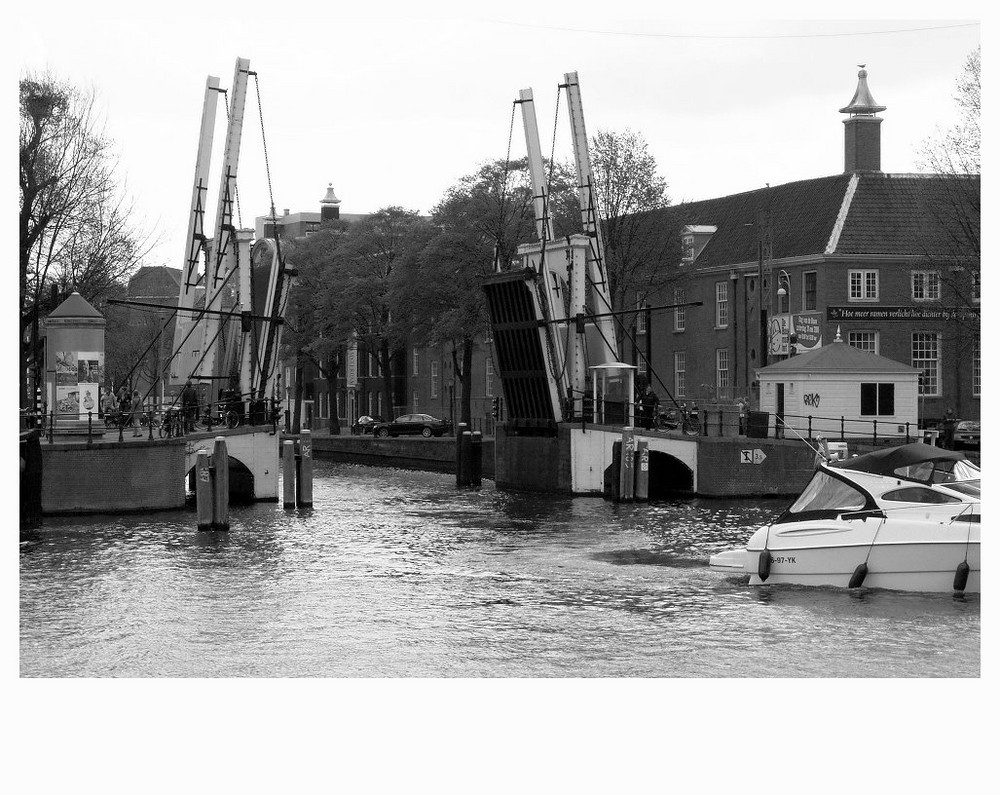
(940, 471)
(970, 488)
(827, 493)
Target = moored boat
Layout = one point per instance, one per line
(904, 518)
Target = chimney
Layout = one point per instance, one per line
(862, 132)
(329, 205)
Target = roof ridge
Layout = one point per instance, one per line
(845, 208)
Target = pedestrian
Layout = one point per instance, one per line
(189, 406)
(136, 413)
(650, 407)
(124, 407)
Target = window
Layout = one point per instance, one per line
(975, 287)
(862, 285)
(416, 362)
(809, 291)
(680, 377)
(434, 379)
(925, 357)
(878, 400)
(687, 248)
(372, 364)
(721, 304)
(640, 363)
(865, 340)
(919, 494)
(722, 370)
(380, 414)
(680, 313)
(324, 399)
(371, 403)
(489, 376)
(926, 286)
(977, 372)
(416, 401)
(640, 318)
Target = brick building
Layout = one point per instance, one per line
(423, 378)
(891, 261)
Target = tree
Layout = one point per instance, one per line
(628, 186)
(482, 219)
(315, 330)
(75, 229)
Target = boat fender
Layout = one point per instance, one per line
(961, 576)
(764, 564)
(859, 576)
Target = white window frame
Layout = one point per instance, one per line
(805, 281)
(416, 401)
(434, 379)
(977, 371)
(489, 373)
(722, 304)
(416, 361)
(929, 365)
(852, 340)
(640, 318)
(680, 312)
(640, 364)
(867, 284)
(680, 373)
(721, 370)
(925, 285)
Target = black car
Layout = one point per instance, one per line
(365, 424)
(424, 424)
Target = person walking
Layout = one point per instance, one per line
(136, 413)
(124, 407)
(189, 406)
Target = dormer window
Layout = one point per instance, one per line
(687, 248)
(693, 240)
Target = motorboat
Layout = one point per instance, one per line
(904, 518)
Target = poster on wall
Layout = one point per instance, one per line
(90, 367)
(777, 335)
(808, 332)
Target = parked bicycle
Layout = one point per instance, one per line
(684, 419)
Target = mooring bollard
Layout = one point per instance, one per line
(304, 481)
(288, 473)
(220, 485)
(642, 471)
(465, 445)
(459, 432)
(203, 490)
(626, 489)
(476, 460)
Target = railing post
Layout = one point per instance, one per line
(90, 428)
(907, 433)
(875, 432)
(810, 426)
(842, 427)
(121, 427)
(52, 427)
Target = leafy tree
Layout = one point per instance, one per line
(482, 219)
(315, 331)
(628, 186)
(75, 229)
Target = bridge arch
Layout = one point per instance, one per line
(668, 475)
(241, 481)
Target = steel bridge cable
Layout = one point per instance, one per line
(503, 189)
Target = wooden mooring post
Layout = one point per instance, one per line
(203, 490)
(304, 479)
(288, 474)
(476, 460)
(220, 485)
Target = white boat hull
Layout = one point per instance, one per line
(905, 555)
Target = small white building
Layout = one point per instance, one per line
(839, 391)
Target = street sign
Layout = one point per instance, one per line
(752, 456)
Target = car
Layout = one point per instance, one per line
(424, 424)
(966, 435)
(365, 424)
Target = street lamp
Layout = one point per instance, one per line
(784, 284)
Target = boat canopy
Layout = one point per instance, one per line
(916, 461)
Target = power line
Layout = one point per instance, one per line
(734, 36)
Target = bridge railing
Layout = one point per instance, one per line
(152, 420)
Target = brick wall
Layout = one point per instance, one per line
(786, 468)
(534, 463)
(109, 477)
(434, 455)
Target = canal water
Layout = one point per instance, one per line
(395, 573)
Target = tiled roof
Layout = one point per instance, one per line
(74, 306)
(888, 214)
(155, 280)
(909, 214)
(838, 356)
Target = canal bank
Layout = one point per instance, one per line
(429, 455)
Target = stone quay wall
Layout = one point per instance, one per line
(434, 455)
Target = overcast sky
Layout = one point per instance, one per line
(392, 108)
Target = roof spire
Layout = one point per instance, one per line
(864, 103)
